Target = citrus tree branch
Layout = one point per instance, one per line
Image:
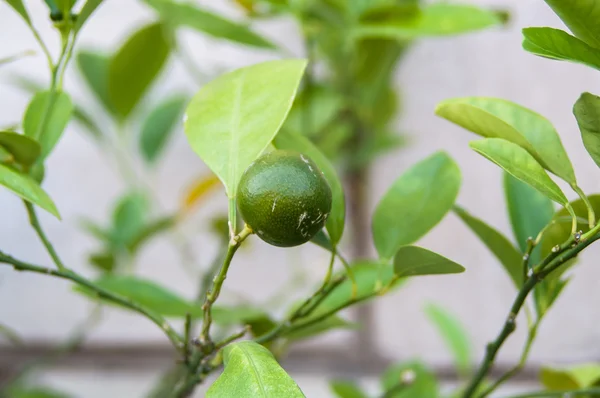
(35, 223)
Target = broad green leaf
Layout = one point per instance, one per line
(453, 334)
(424, 383)
(251, 371)
(581, 17)
(146, 293)
(321, 239)
(25, 187)
(158, 126)
(46, 118)
(587, 113)
(235, 315)
(497, 118)
(571, 378)
(135, 66)
(328, 324)
(94, 68)
(86, 11)
(36, 392)
(129, 218)
(415, 203)
(557, 44)
(346, 389)
(189, 15)
(19, 7)
(520, 164)
(233, 119)
(415, 261)
(24, 149)
(313, 110)
(335, 221)
(498, 244)
(438, 19)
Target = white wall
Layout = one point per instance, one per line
(492, 63)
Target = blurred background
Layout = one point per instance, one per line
(124, 353)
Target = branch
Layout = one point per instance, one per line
(35, 223)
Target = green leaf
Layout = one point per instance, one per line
(296, 142)
(415, 203)
(321, 239)
(346, 389)
(251, 371)
(520, 164)
(35, 392)
(423, 385)
(158, 126)
(19, 7)
(498, 244)
(129, 218)
(453, 334)
(326, 325)
(25, 187)
(581, 17)
(559, 45)
(104, 261)
(86, 11)
(94, 68)
(150, 230)
(571, 378)
(85, 120)
(438, 19)
(233, 119)
(135, 66)
(313, 110)
(189, 15)
(587, 112)
(146, 293)
(497, 118)
(52, 110)
(415, 261)
(24, 149)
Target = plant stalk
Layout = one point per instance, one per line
(35, 223)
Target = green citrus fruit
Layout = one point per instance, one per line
(284, 198)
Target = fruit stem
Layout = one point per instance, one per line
(213, 293)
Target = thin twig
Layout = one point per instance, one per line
(35, 223)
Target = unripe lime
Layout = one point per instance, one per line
(284, 198)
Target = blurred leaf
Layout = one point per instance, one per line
(86, 121)
(95, 230)
(259, 321)
(189, 15)
(295, 142)
(19, 7)
(415, 261)
(25, 187)
(326, 325)
(51, 110)
(424, 383)
(86, 11)
(199, 190)
(314, 109)
(581, 17)
(135, 66)
(375, 146)
(415, 203)
(321, 239)
(10, 335)
(557, 44)
(36, 392)
(346, 389)
(104, 261)
(65, 5)
(5, 156)
(571, 378)
(94, 68)
(520, 164)
(129, 218)
(150, 230)
(251, 371)
(159, 124)
(15, 57)
(498, 244)
(497, 118)
(25, 150)
(587, 113)
(454, 335)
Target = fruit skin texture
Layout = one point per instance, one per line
(284, 198)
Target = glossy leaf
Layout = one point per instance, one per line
(438, 19)
(233, 119)
(415, 261)
(199, 190)
(25, 187)
(94, 68)
(135, 66)
(424, 383)
(251, 371)
(327, 325)
(24, 149)
(587, 112)
(159, 125)
(19, 7)
(453, 334)
(520, 164)
(296, 142)
(129, 218)
(86, 11)
(415, 203)
(52, 110)
(571, 378)
(559, 45)
(497, 118)
(190, 15)
(346, 389)
(581, 16)
(498, 244)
